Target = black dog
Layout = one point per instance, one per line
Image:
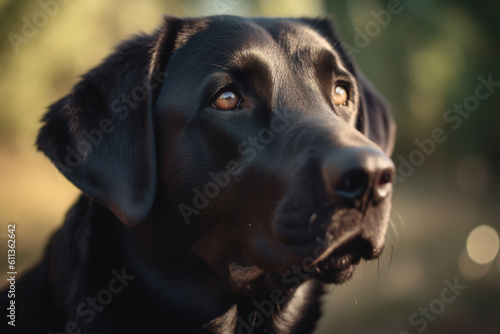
(229, 166)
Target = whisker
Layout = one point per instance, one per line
(353, 296)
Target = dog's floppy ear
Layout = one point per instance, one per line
(375, 119)
(101, 135)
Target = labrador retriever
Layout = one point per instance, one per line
(229, 167)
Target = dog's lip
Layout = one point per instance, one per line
(339, 248)
(271, 261)
(336, 267)
(334, 254)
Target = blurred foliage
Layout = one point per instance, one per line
(425, 60)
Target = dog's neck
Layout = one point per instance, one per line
(212, 308)
(187, 297)
(185, 285)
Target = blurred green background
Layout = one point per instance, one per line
(424, 56)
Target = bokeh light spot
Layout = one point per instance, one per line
(483, 244)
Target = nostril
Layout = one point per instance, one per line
(353, 184)
(384, 185)
(385, 177)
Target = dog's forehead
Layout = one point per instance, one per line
(297, 38)
(225, 39)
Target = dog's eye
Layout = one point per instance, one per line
(340, 96)
(227, 100)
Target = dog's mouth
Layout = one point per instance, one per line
(338, 264)
(329, 250)
(327, 247)
(336, 270)
(335, 264)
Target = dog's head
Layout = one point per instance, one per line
(256, 138)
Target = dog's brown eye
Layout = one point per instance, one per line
(227, 100)
(340, 96)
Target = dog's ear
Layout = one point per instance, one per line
(101, 135)
(375, 119)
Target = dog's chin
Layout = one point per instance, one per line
(252, 280)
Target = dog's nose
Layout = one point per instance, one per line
(358, 173)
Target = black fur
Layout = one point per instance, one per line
(142, 251)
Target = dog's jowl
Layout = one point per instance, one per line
(229, 168)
